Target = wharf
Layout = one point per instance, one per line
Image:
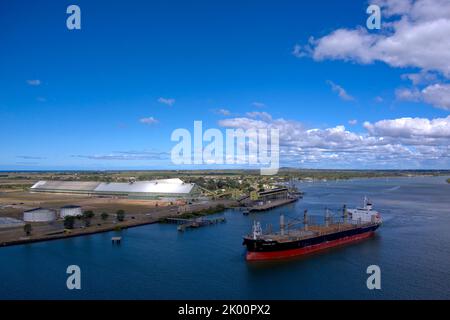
(197, 223)
(272, 204)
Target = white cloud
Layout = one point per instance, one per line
(35, 82)
(420, 77)
(353, 122)
(344, 44)
(437, 95)
(342, 93)
(392, 143)
(421, 44)
(259, 115)
(411, 128)
(149, 120)
(394, 7)
(407, 94)
(167, 101)
(415, 33)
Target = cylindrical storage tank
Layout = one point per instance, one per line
(39, 215)
(72, 211)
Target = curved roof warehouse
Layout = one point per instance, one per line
(151, 190)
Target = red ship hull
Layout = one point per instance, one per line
(283, 254)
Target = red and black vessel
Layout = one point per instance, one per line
(355, 225)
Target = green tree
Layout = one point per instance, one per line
(104, 216)
(27, 228)
(87, 216)
(69, 222)
(120, 215)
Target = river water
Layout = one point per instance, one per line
(412, 248)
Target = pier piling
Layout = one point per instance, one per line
(116, 240)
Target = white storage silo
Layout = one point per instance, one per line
(39, 215)
(73, 211)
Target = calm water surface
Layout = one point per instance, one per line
(156, 262)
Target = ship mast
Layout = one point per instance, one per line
(327, 217)
(282, 225)
(257, 230)
(305, 219)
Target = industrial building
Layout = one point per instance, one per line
(39, 215)
(70, 211)
(166, 189)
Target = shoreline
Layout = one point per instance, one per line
(196, 212)
(72, 235)
(199, 212)
(272, 205)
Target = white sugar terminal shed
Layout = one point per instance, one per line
(165, 189)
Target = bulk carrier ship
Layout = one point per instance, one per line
(354, 225)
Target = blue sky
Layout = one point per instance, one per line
(76, 99)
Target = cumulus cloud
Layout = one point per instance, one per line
(437, 95)
(148, 120)
(415, 34)
(420, 78)
(342, 93)
(412, 42)
(34, 82)
(167, 101)
(344, 44)
(407, 94)
(353, 122)
(405, 142)
(260, 115)
(411, 128)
